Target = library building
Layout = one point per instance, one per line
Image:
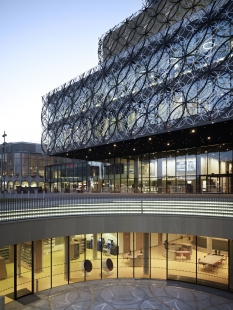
(149, 137)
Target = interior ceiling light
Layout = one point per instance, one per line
(208, 138)
(193, 130)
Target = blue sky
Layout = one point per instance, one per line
(43, 44)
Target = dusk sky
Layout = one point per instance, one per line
(43, 44)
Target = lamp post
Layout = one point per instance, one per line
(4, 164)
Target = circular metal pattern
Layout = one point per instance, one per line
(158, 72)
(129, 294)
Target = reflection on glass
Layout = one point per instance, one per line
(42, 263)
(126, 255)
(77, 256)
(109, 256)
(60, 261)
(212, 258)
(158, 256)
(95, 244)
(181, 257)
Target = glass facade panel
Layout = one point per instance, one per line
(24, 269)
(42, 263)
(189, 258)
(60, 261)
(158, 256)
(77, 256)
(7, 273)
(213, 160)
(178, 171)
(93, 257)
(126, 255)
(181, 258)
(191, 166)
(212, 258)
(110, 255)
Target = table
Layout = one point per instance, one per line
(210, 260)
(136, 261)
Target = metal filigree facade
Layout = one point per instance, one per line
(178, 74)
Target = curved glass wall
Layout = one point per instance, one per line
(62, 260)
(206, 169)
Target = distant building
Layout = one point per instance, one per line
(23, 164)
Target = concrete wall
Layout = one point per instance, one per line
(22, 231)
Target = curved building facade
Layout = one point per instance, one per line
(169, 73)
(103, 237)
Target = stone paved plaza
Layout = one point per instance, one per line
(127, 294)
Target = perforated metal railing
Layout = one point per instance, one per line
(23, 209)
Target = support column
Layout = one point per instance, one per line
(136, 174)
(146, 252)
(94, 246)
(66, 258)
(209, 245)
(19, 260)
(38, 255)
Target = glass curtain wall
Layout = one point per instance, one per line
(194, 170)
(62, 260)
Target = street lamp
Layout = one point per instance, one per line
(4, 164)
